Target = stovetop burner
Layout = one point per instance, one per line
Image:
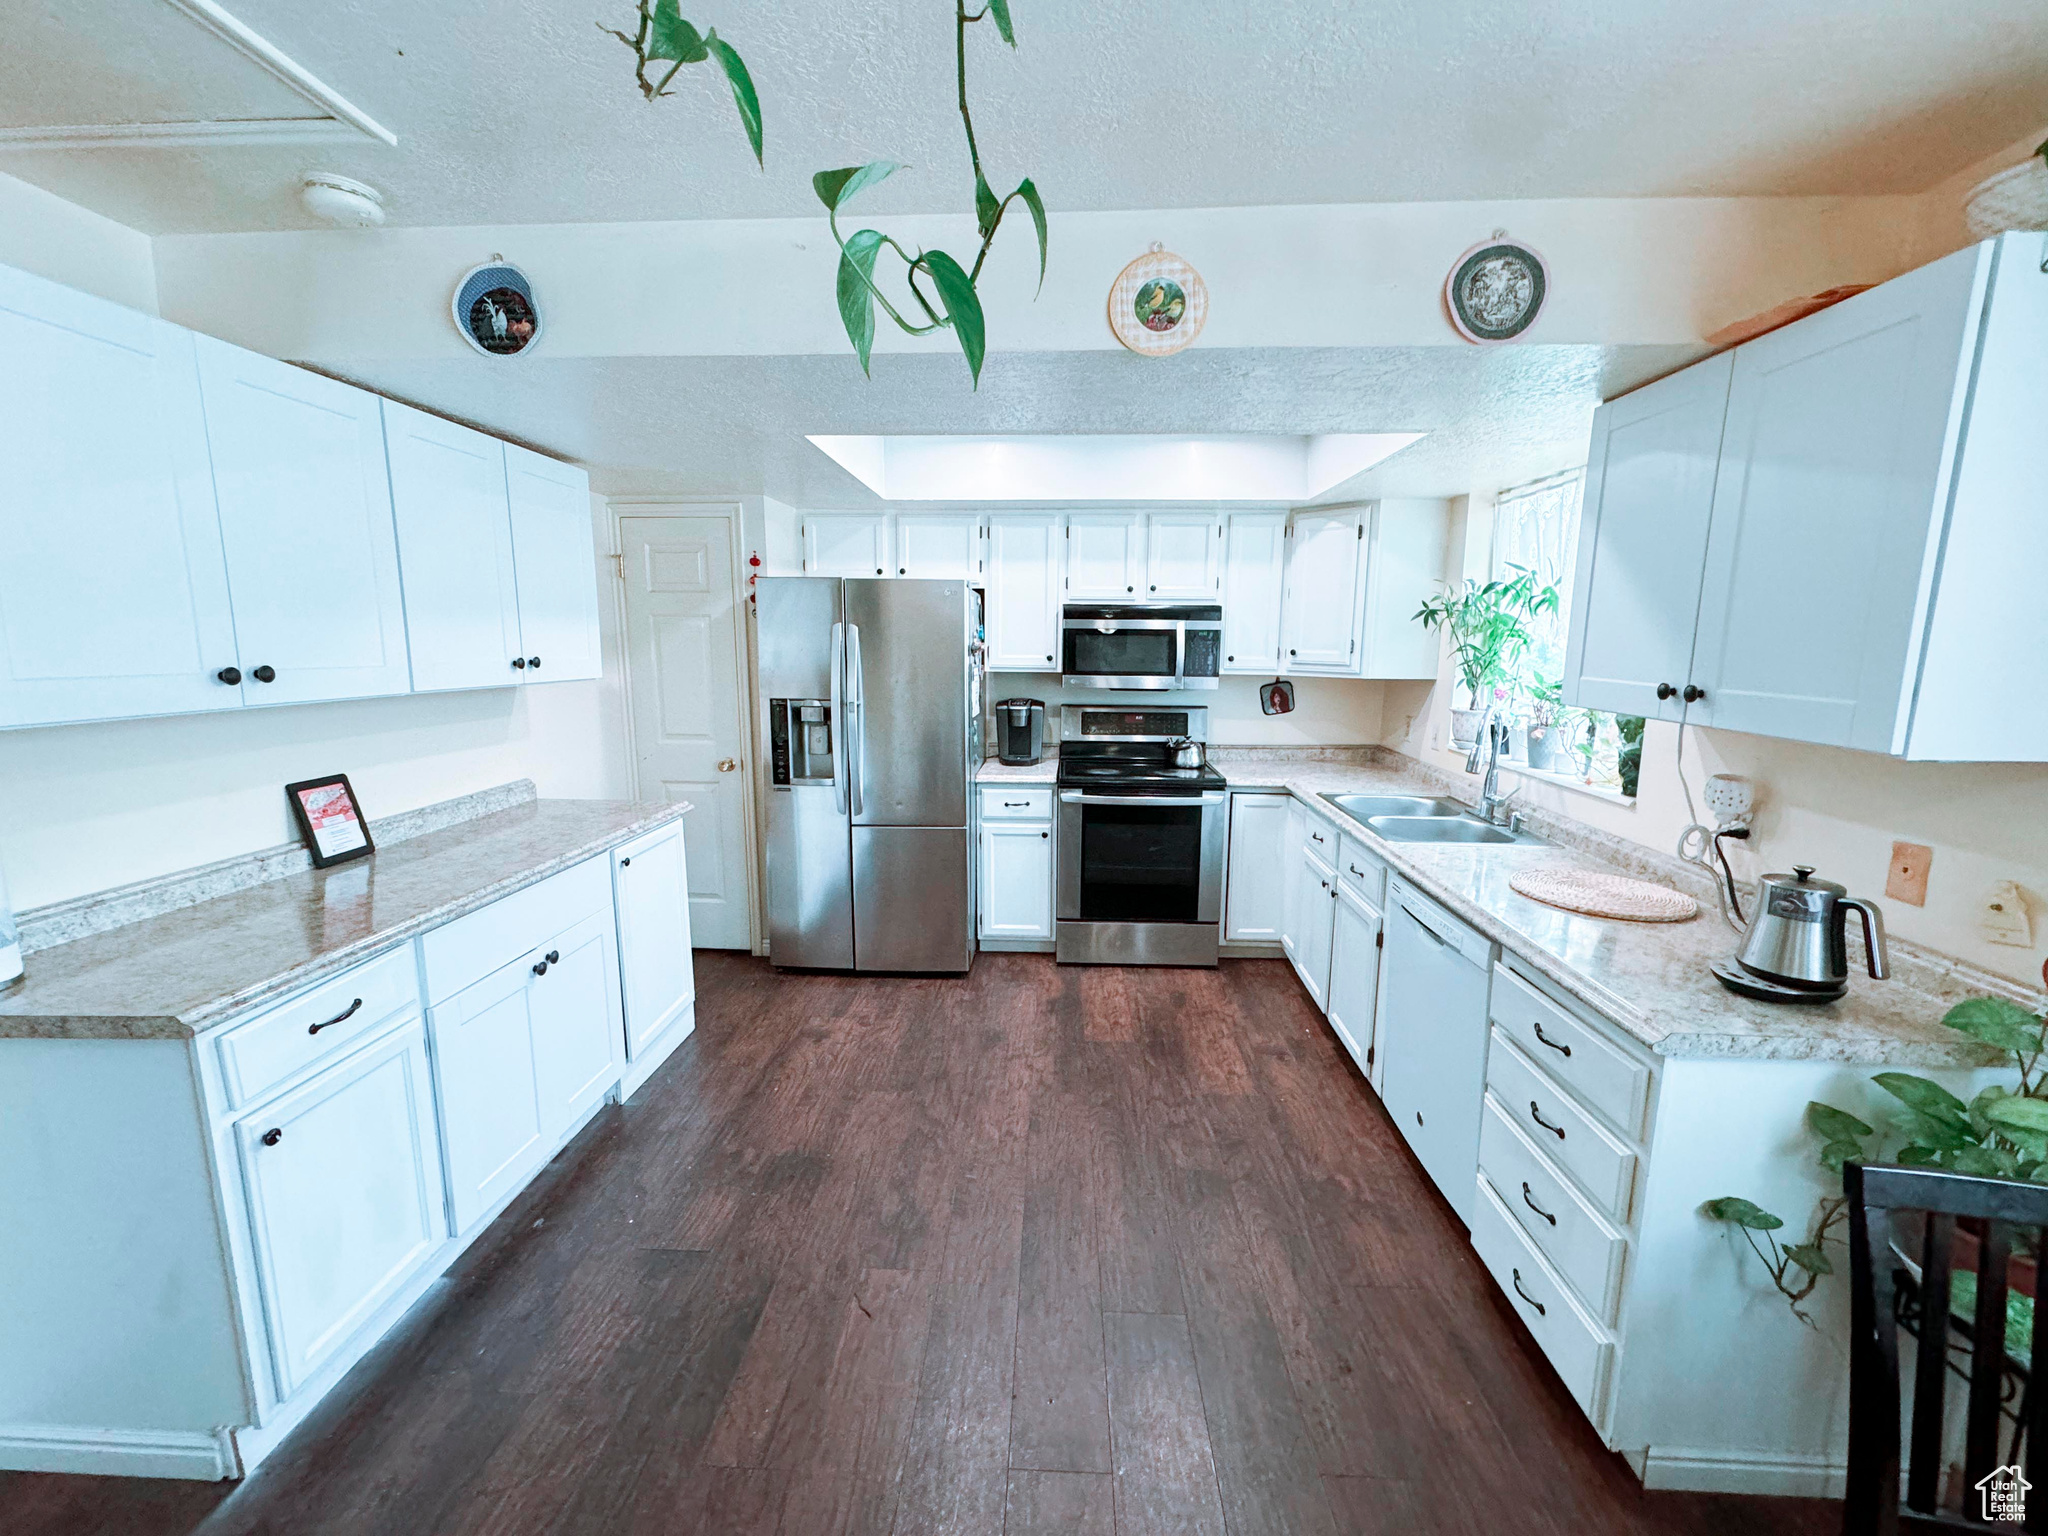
(1128, 772)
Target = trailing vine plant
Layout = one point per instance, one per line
(954, 303)
(663, 37)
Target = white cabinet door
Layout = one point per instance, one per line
(1643, 542)
(305, 515)
(1315, 905)
(1407, 551)
(575, 1015)
(1254, 572)
(1354, 974)
(939, 547)
(491, 1119)
(344, 1190)
(454, 551)
(554, 552)
(1831, 468)
(1255, 898)
(1023, 592)
(651, 887)
(113, 595)
(846, 544)
(1290, 878)
(1105, 554)
(1016, 880)
(1183, 555)
(1319, 615)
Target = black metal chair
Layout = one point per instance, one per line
(1880, 1293)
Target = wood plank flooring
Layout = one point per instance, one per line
(1040, 1250)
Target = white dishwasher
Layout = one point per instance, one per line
(1433, 1005)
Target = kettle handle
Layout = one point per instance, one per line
(1873, 934)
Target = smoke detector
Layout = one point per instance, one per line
(342, 201)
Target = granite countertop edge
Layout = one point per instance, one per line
(192, 1022)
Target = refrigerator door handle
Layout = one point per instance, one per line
(836, 665)
(857, 709)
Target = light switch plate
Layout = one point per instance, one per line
(1906, 879)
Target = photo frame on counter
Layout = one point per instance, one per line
(330, 819)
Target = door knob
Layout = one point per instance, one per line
(1665, 690)
(265, 674)
(1693, 695)
(229, 675)
(727, 764)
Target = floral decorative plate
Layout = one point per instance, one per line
(1158, 304)
(1496, 290)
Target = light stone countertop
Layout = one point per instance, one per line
(188, 971)
(1044, 771)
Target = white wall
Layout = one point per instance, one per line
(41, 233)
(1328, 711)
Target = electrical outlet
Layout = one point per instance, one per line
(2005, 919)
(1906, 879)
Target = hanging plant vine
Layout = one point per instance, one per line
(954, 303)
(663, 37)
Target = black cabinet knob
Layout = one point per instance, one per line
(553, 956)
(902, 570)
(232, 676)
(272, 1136)
(1290, 653)
(533, 662)
(1230, 658)
(1045, 834)
(624, 862)
(265, 674)
(1665, 690)
(1048, 658)
(878, 570)
(1153, 588)
(540, 967)
(518, 663)
(1693, 695)
(1130, 589)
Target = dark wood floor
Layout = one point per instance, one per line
(1041, 1250)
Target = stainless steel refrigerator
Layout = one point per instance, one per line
(869, 700)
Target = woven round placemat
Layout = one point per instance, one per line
(1603, 895)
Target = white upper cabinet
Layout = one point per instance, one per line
(1105, 555)
(846, 544)
(939, 546)
(1183, 555)
(1643, 541)
(305, 517)
(1023, 592)
(554, 555)
(1407, 548)
(454, 549)
(1254, 573)
(1320, 612)
(113, 594)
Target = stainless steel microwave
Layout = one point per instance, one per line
(1141, 645)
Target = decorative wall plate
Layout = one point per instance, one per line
(495, 309)
(1158, 303)
(1496, 290)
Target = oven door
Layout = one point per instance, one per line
(1120, 653)
(1141, 858)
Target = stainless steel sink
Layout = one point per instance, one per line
(1365, 807)
(1440, 829)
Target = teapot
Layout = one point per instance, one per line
(1797, 934)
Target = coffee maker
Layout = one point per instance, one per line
(1020, 728)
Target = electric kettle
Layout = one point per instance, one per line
(1797, 947)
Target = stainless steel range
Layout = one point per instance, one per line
(1141, 840)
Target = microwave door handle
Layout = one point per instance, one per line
(835, 668)
(857, 706)
(1180, 651)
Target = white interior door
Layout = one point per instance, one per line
(555, 554)
(455, 550)
(1023, 592)
(940, 546)
(689, 738)
(1103, 558)
(1319, 618)
(1254, 566)
(1183, 553)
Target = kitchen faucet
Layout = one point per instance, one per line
(1493, 735)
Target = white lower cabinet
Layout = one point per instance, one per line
(490, 1096)
(1355, 940)
(344, 1190)
(572, 1008)
(1255, 893)
(651, 888)
(1016, 879)
(1315, 913)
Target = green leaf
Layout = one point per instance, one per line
(963, 307)
(1836, 1153)
(1924, 1097)
(1742, 1213)
(743, 94)
(1809, 1257)
(2011, 1111)
(671, 37)
(1029, 193)
(835, 188)
(1832, 1124)
(1984, 1162)
(1943, 1135)
(856, 297)
(1918, 1157)
(1996, 1021)
(985, 206)
(1000, 9)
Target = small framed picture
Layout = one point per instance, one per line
(330, 821)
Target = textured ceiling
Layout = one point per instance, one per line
(716, 425)
(521, 111)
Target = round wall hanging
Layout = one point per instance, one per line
(1496, 290)
(495, 309)
(1158, 303)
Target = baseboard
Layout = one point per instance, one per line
(1016, 946)
(658, 1050)
(1802, 1477)
(195, 1455)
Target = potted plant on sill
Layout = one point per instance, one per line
(1546, 706)
(1489, 629)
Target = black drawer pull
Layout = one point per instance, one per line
(1355, 870)
(1564, 1050)
(1013, 805)
(1541, 1310)
(347, 1013)
(1537, 1115)
(272, 1136)
(1534, 1206)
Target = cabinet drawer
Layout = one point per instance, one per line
(1569, 1136)
(1604, 1077)
(465, 951)
(1577, 1347)
(1019, 804)
(1581, 1244)
(1320, 839)
(1362, 872)
(277, 1046)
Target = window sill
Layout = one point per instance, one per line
(1605, 792)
